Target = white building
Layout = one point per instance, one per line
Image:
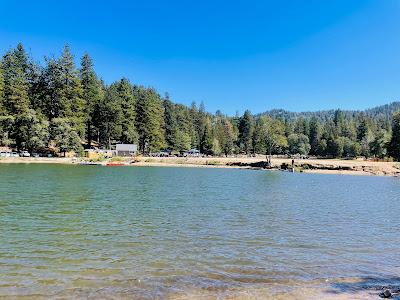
(126, 149)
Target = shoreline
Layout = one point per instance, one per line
(311, 166)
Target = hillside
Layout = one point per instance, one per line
(378, 112)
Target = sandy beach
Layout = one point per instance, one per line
(321, 166)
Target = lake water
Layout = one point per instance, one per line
(153, 232)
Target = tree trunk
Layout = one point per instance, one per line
(89, 135)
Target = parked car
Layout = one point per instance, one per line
(34, 154)
(45, 154)
(163, 153)
(24, 154)
(5, 154)
(192, 152)
(14, 154)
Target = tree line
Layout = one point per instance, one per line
(58, 104)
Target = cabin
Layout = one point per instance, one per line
(126, 149)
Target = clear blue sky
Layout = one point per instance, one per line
(297, 55)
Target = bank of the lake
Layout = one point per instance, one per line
(321, 166)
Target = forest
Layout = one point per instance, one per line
(56, 103)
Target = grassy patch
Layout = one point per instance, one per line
(213, 162)
(99, 159)
(305, 167)
(298, 168)
(180, 161)
(116, 158)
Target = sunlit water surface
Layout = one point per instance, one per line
(145, 233)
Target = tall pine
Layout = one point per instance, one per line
(2, 107)
(171, 126)
(150, 121)
(394, 145)
(246, 128)
(92, 93)
(16, 100)
(63, 96)
(128, 110)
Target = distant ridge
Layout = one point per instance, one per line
(380, 112)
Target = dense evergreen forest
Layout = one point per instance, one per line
(71, 109)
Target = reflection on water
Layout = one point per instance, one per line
(75, 231)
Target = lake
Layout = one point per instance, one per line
(161, 232)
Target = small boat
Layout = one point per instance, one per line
(89, 164)
(115, 164)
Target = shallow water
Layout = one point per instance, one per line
(149, 232)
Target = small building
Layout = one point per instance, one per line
(126, 149)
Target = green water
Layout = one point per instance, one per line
(137, 232)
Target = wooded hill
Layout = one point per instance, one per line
(59, 104)
(382, 112)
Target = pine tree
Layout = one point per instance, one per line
(314, 135)
(150, 121)
(200, 122)
(50, 98)
(92, 93)
(362, 128)
(32, 131)
(246, 128)
(63, 95)
(259, 135)
(65, 136)
(128, 103)
(223, 134)
(228, 144)
(108, 117)
(21, 58)
(184, 128)
(6, 127)
(31, 72)
(207, 141)
(394, 145)
(72, 102)
(16, 88)
(329, 142)
(364, 136)
(2, 105)
(379, 143)
(301, 126)
(171, 126)
(338, 119)
(194, 131)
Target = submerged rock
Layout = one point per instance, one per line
(385, 294)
